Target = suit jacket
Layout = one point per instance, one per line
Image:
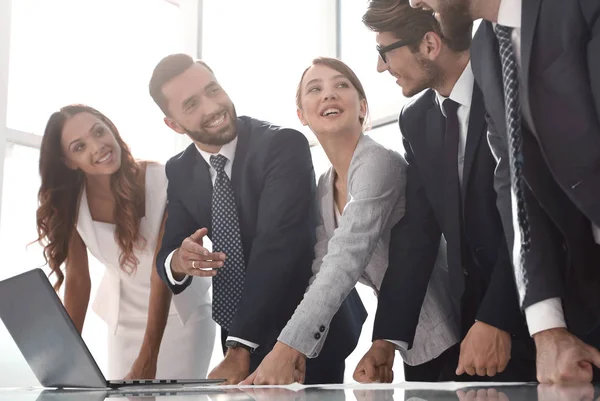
(414, 239)
(357, 250)
(274, 185)
(560, 97)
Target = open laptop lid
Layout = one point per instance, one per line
(37, 321)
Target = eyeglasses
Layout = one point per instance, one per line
(401, 43)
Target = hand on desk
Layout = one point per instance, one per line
(377, 364)
(144, 367)
(283, 365)
(234, 368)
(563, 358)
(484, 351)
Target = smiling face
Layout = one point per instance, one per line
(199, 107)
(414, 71)
(88, 144)
(329, 102)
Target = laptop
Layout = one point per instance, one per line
(40, 325)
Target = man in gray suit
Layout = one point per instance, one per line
(449, 190)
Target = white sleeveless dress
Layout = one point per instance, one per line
(122, 299)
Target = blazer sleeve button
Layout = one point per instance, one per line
(322, 329)
(317, 336)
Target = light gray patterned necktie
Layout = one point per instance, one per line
(228, 284)
(510, 79)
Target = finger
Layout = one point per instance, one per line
(203, 264)
(198, 235)
(460, 369)
(249, 380)
(470, 370)
(388, 375)
(583, 372)
(192, 250)
(480, 370)
(491, 371)
(200, 272)
(594, 356)
(370, 370)
(501, 366)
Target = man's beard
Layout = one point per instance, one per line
(221, 137)
(456, 23)
(433, 75)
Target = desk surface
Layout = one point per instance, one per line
(396, 392)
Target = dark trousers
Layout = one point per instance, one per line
(318, 370)
(521, 367)
(429, 371)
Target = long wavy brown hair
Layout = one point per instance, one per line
(62, 187)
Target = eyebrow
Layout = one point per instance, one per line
(90, 130)
(320, 80)
(188, 101)
(211, 84)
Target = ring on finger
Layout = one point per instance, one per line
(193, 264)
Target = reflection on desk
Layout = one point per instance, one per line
(395, 392)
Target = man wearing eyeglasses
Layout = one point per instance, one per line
(450, 191)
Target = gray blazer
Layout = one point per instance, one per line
(356, 249)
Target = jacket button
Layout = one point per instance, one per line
(322, 329)
(317, 336)
(465, 272)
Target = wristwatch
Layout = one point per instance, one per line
(237, 344)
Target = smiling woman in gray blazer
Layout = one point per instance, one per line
(361, 197)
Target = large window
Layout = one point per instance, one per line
(259, 50)
(358, 51)
(97, 52)
(100, 53)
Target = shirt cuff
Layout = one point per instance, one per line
(170, 273)
(245, 342)
(545, 315)
(596, 231)
(400, 345)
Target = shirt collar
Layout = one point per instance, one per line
(509, 13)
(227, 150)
(462, 93)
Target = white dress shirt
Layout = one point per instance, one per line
(462, 93)
(227, 150)
(547, 314)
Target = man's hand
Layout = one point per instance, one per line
(563, 358)
(484, 351)
(234, 368)
(192, 259)
(377, 364)
(283, 365)
(144, 367)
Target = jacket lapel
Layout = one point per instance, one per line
(475, 131)
(529, 16)
(485, 59)
(199, 196)
(241, 150)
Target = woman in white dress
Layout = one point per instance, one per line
(96, 197)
